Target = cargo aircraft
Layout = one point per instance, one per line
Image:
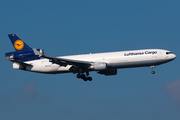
(31, 59)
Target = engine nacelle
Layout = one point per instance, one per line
(100, 66)
(108, 72)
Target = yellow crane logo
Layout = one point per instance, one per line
(18, 44)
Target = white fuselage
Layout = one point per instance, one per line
(114, 60)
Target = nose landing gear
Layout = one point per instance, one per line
(153, 72)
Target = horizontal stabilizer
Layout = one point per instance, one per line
(17, 61)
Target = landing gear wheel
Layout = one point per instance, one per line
(78, 76)
(89, 78)
(85, 79)
(152, 67)
(82, 76)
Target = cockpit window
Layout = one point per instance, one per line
(168, 53)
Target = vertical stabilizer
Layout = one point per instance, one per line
(18, 43)
(23, 51)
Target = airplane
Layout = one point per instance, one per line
(34, 60)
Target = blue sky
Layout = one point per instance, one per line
(79, 27)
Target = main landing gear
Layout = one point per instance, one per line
(84, 77)
(153, 72)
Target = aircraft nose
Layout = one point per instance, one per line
(174, 56)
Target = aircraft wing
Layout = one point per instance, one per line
(65, 62)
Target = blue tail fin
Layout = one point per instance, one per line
(19, 44)
(23, 51)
